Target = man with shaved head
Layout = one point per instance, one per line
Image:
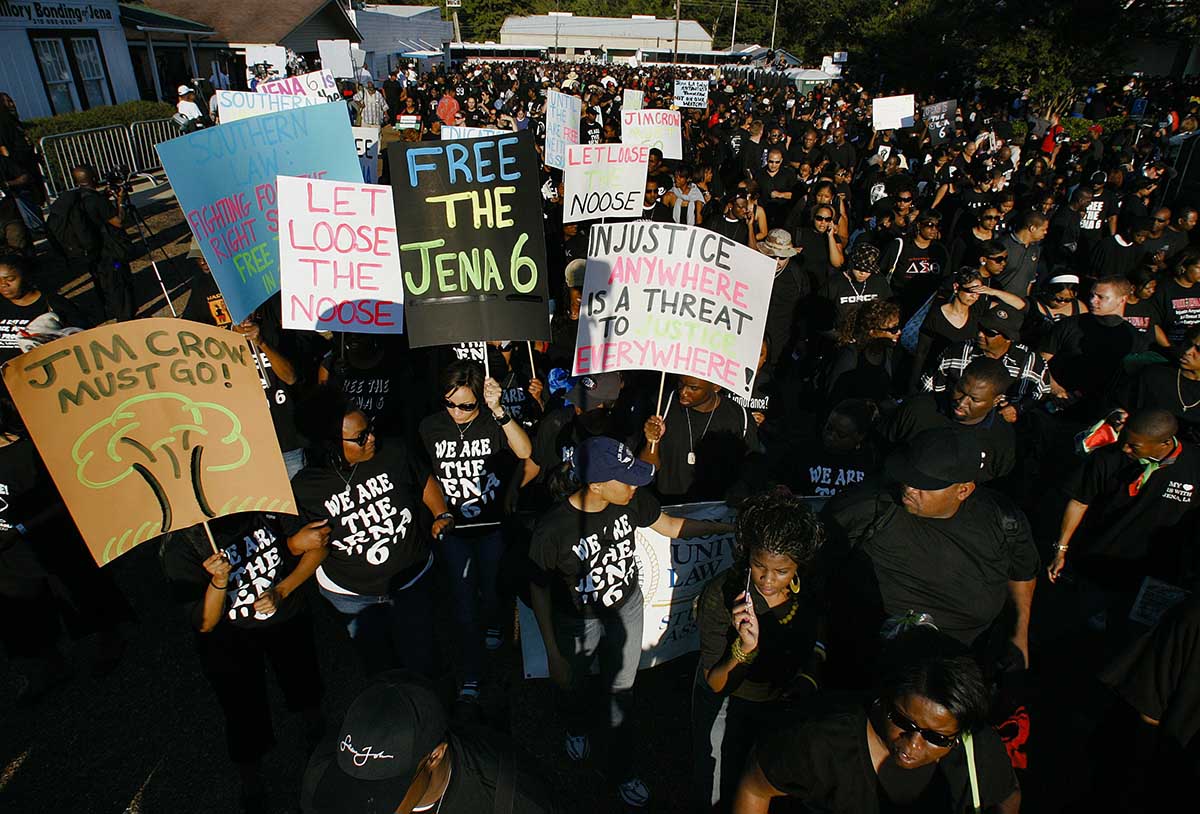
(94, 237)
(1132, 513)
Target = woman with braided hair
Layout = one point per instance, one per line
(759, 640)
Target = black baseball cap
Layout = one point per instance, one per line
(595, 390)
(1003, 319)
(389, 729)
(937, 459)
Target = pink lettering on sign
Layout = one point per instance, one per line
(651, 354)
(339, 256)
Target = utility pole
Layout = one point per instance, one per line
(774, 22)
(733, 35)
(675, 58)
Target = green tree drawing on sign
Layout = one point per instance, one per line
(162, 438)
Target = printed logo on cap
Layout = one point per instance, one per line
(1001, 313)
(362, 756)
(624, 455)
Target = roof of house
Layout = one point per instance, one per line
(604, 27)
(147, 19)
(262, 21)
(400, 11)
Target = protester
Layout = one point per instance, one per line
(28, 316)
(921, 741)
(474, 459)
(586, 595)
(759, 641)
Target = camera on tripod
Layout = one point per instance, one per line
(118, 178)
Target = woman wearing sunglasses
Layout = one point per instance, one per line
(475, 454)
(922, 745)
(377, 575)
(1058, 298)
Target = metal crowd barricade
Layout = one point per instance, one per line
(105, 148)
(144, 137)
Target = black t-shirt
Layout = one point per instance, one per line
(1162, 387)
(1180, 308)
(1158, 523)
(472, 463)
(928, 411)
(918, 271)
(818, 472)
(1088, 350)
(782, 648)
(701, 452)
(956, 569)
(842, 295)
(587, 559)
(1145, 315)
(734, 229)
(206, 304)
(374, 538)
(377, 390)
(825, 761)
(15, 319)
(259, 560)
(1093, 224)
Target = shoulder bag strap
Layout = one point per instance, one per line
(899, 252)
(969, 746)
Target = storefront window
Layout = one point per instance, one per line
(91, 70)
(60, 85)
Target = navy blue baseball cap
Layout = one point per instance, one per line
(600, 459)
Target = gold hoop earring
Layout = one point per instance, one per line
(795, 584)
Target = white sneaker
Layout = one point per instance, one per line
(634, 792)
(578, 747)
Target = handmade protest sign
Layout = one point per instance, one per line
(673, 298)
(653, 128)
(691, 93)
(235, 105)
(224, 180)
(604, 181)
(454, 132)
(335, 58)
(893, 112)
(317, 83)
(469, 214)
(150, 426)
(562, 126)
(339, 257)
(366, 144)
(671, 573)
(939, 118)
(631, 99)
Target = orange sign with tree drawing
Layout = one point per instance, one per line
(150, 426)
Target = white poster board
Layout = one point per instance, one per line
(604, 181)
(632, 99)
(335, 58)
(366, 144)
(562, 126)
(454, 132)
(691, 93)
(671, 574)
(654, 129)
(339, 257)
(679, 299)
(318, 84)
(893, 112)
(233, 105)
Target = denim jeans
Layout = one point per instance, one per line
(393, 630)
(473, 566)
(293, 460)
(617, 640)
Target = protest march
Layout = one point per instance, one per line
(572, 435)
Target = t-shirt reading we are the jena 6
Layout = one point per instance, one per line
(372, 512)
(587, 559)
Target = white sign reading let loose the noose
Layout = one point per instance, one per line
(604, 181)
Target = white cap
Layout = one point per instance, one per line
(184, 89)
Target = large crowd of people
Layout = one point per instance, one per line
(974, 422)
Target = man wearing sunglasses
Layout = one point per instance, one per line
(999, 332)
